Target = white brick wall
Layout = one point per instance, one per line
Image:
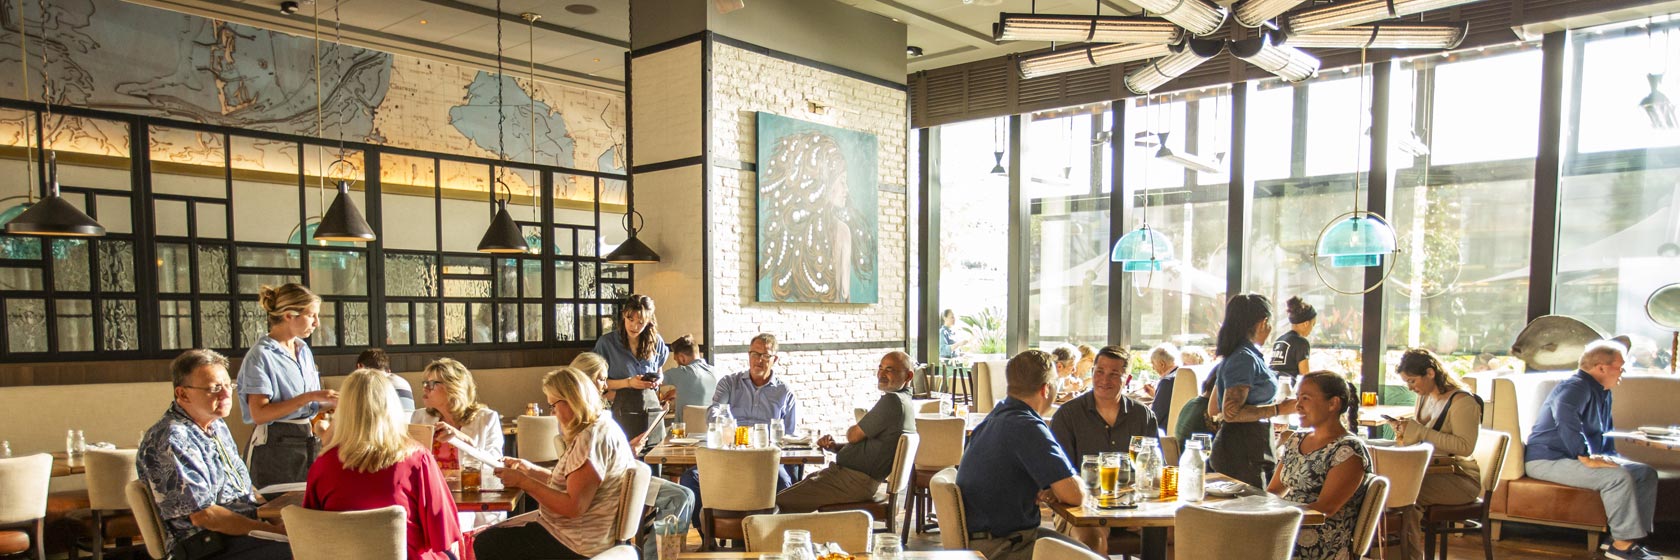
(829, 382)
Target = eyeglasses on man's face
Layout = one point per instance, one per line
(216, 389)
(761, 355)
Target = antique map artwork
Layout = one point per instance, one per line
(116, 56)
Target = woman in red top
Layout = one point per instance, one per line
(371, 463)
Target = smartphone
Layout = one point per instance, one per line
(650, 376)
(1390, 418)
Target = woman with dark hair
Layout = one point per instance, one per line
(1324, 468)
(1289, 351)
(1243, 447)
(1449, 418)
(635, 355)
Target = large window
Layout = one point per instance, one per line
(1462, 200)
(1619, 234)
(1065, 160)
(971, 174)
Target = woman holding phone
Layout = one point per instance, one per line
(1449, 418)
(635, 353)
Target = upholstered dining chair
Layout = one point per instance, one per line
(885, 508)
(375, 534)
(948, 505)
(1057, 549)
(1211, 533)
(535, 442)
(736, 483)
(1438, 521)
(632, 502)
(1370, 513)
(145, 515)
(1404, 468)
(941, 447)
(694, 419)
(848, 528)
(23, 504)
(108, 472)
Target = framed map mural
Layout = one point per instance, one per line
(817, 213)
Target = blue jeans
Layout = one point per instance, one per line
(1629, 493)
(670, 499)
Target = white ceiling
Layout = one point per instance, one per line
(588, 50)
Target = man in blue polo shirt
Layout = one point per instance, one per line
(1012, 462)
(1569, 447)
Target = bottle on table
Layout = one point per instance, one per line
(1149, 469)
(1192, 473)
(81, 443)
(5, 449)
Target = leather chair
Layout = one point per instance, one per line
(1516, 407)
(376, 534)
(739, 483)
(1438, 520)
(1241, 534)
(848, 528)
(23, 504)
(885, 508)
(941, 447)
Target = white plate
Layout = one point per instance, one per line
(684, 441)
(1656, 431)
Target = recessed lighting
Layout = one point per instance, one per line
(582, 9)
(913, 50)
(597, 60)
(423, 22)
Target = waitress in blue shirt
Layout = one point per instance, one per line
(280, 387)
(1243, 447)
(635, 354)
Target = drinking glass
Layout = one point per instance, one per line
(945, 408)
(1108, 473)
(1137, 444)
(777, 432)
(796, 545)
(679, 429)
(1207, 444)
(1169, 483)
(887, 547)
(1368, 399)
(1088, 472)
(472, 473)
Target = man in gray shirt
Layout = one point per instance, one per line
(1102, 420)
(861, 465)
(692, 382)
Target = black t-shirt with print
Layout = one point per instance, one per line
(1287, 353)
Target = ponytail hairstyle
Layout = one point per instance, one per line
(1417, 362)
(642, 346)
(282, 302)
(1242, 314)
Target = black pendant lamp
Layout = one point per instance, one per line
(503, 235)
(632, 250)
(343, 221)
(53, 215)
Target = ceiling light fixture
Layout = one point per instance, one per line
(1185, 56)
(912, 50)
(726, 6)
(1382, 36)
(1199, 17)
(1360, 238)
(1289, 63)
(52, 216)
(1084, 28)
(632, 250)
(342, 222)
(1335, 16)
(503, 234)
(1186, 160)
(1057, 62)
(288, 7)
(1255, 13)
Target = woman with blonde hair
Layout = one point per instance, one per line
(281, 388)
(449, 403)
(371, 463)
(594, 367)
(579, 499)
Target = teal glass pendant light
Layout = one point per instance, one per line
(1142, 250)
(1359, 239)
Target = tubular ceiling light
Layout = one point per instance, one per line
(1199, 17)
(1383, 36)
(1255, 13)
(1289, 63)
(1185, 160)
(1089, 57)
(52, 215)
(1186, 55)
(1082, 28)
(1358, 12)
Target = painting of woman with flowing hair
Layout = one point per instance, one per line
(817, 211)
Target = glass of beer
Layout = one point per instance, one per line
(1367, 399)
(1132, 450)
(472, 474)
(1169, 482)
(742, 435)
(679, 429)
(1108, 473)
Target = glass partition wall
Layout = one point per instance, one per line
(1462, 133)
(199, 218)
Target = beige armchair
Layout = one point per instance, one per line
(535, 442)
(632, 502)
(377, 534)
(948, 503)
(848, 528)
(1057, 549)
(1438, 521)
(694, 418)
(898, 480)
(736, 483)
(145, 515)
(941, 447)
(23, 503)
(1370, 513)
(1404, 468)
(108, 473)
(1241, 534)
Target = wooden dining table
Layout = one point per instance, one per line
(1153, 517)
(503, 499)
(669, 454)
(64, 465)
(1670, 443)
(856, 555)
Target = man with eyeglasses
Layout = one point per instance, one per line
(865, 461)
(1569, 447)
(754, 396)
(192, 466)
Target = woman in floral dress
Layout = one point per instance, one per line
(1324, 468)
